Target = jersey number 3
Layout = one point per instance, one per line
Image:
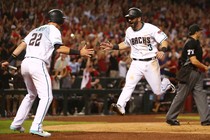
(35, 40)
(150, 47)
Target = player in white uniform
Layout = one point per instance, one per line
(143, 38)
(40, 44)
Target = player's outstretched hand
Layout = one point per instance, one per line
(106, 45)
(160, 55)
(205, 69)
(86, 52)
(4, 64)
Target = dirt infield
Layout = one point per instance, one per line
(113, 127)
(155, 127)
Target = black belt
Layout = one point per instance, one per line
(146, 59)
(196, 69)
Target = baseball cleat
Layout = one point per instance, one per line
(166, 85)
(40, 133)
(17, 128)
(173, 88)
(173, 122)
(205, 123)
(118, 109)
(170, 87)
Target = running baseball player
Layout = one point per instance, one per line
(40, 44)
(143, 38)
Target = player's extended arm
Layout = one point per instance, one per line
(110, 46)
(198, 64)
(15, 53)
(88, 63)
(19, 49)
(83, 52)
(163, 49)
(164, 45)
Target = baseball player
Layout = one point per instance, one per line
(143, 39)
(192, 58)
(40, 44)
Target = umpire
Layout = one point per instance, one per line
(191, 57)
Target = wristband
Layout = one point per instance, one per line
(164, 49)
(12, 57)
(116, 47)
(74, 52)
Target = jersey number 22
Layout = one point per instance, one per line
(35, 40)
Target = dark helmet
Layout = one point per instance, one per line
(56, 16)
(134, 13)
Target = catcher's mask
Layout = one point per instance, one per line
(133, 13)
(56, 16)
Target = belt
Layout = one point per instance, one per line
(146, 59)
(35, 58)
(197, 70)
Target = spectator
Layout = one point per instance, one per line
(113, 64)
(123, 66)
(6, 77)
(87, 80)
(74, 65)
(61, 63)
(96, 102)
(102, 63)
(18, 83)
(59, 69)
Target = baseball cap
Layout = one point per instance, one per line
(194, 28)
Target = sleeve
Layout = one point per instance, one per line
(55, 36)
(126, 41)
(159, 35)
(26, 39)
(190, 48)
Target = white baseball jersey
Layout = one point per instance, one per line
(40, 46)
(40, 42)
(144, 42)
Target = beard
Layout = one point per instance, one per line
(134, 25)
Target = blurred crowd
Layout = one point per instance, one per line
(91, 22)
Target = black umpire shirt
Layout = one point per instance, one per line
(191, 48)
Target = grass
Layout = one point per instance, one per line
(4, 125)
(184, 117)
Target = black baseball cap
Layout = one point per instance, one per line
(194, 28)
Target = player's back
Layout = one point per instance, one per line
(40, 42)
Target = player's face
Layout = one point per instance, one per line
(199, 33)
(133, 23)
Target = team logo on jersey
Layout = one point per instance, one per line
(140, 40)
(161, 33)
